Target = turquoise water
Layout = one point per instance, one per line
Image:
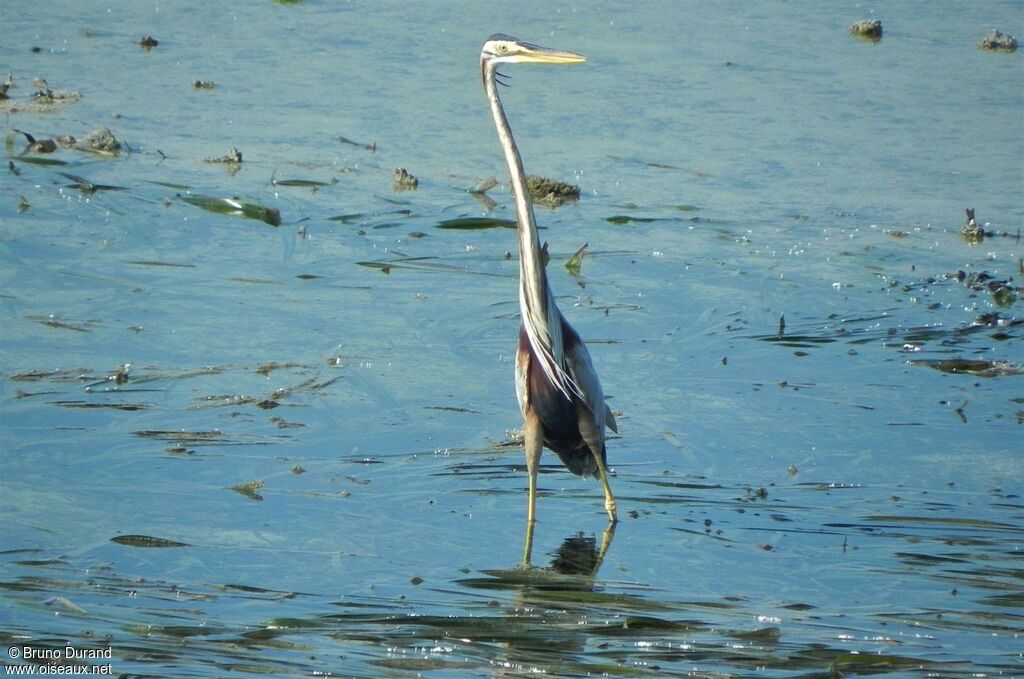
(316, 437)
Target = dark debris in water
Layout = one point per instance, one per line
(312, 184)
(274, 399)
(61, 324)
(975, 367)
(372, 148)
(990, 326)
(92, 404)
(193, 437)
(472, 223)
(146, 541)
(1004, 291)
(421, 264)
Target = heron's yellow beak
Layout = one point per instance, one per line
(535, 54)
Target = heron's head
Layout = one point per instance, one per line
(504, 49)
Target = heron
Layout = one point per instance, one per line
(557, 386)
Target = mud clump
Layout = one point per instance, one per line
(551, 192)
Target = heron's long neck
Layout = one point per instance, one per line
(534, 296)
(541, 318)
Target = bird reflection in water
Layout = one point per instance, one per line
(545, 622)
(580, 555)
(577, 555)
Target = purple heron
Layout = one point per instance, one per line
(557, 387)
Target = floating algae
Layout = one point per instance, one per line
(146, 541)
(469, 223)
(235, 207)
(974, 367)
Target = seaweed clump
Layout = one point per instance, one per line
(869, 29)
(551, 192)
(405, 181)
(1004, 291)
(998, 42)
(100, 140)
(42, 100)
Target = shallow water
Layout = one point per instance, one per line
(315, 439)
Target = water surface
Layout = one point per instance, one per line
(316, 437)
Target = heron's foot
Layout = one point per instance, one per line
(609, 506)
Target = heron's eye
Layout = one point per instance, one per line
(503, 47)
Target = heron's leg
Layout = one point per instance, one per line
(528, 545)
(533, 440)
(609, 499)
(606, 542)
(592, 437)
